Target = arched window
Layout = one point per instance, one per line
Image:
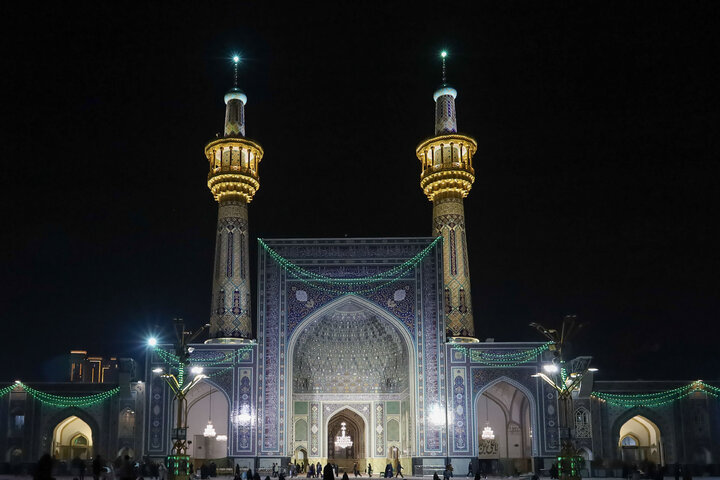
(629, 441)
(80, 441)
(583, 426)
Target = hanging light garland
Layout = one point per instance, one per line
(171, 358)
(370, 283)
(658, 398)
(501, 359)
(4, 391)
(62, 400)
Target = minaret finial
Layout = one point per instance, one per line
(236, 61)
(443, 54)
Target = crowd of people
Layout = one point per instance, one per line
(122, 468)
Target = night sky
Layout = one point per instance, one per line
(597, 166)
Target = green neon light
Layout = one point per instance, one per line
(68, 401)
(657, 399)
(4, 391)
(501, 359)
(349, 285)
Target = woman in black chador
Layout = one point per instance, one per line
(328, 473)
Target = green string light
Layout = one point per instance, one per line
(4, 391)
(349, 285)
(174, 361)
(510, 359)
(657, 399)
(68, 401)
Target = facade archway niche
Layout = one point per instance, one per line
(72, 438)
(206, 402)
(639, 440)
(509, 411)
(350, 355)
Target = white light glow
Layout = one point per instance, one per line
(436, 415)
(550, 368)
(196, 370)
(152, 341)
(221, 438)
(157, 370)
(592, 369)
(236, 59)
(242, 417)
(209, 430)
(342, 440)
(487, 433)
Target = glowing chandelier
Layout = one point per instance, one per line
(487, 433)
(209, 429)
(342, 440)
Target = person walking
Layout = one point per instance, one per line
(97, 466)
(398, 470)
(369, 470)
(447, 473)
(470, 469)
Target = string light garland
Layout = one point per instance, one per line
(174, 362)
(510, 359)
(349, 285)
(4, 391)
(63, 400)
(657, 399)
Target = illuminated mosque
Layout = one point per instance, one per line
(365, 352)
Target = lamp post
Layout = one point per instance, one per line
(178, 463)
(565, 377)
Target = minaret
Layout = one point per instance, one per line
(447, 177)
(233, 181)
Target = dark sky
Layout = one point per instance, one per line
(597, 165)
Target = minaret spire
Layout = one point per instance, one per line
(233, 180)
(236, 61)
(447, 177)
(235, 101)
(443, 54)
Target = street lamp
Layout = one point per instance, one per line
(565, 377)
(178, 463)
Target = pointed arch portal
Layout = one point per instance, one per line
(508, 411)
(72, 438)
(345, 361)
(639, 440)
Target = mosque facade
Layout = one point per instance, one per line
(364, 353)
(373, 339)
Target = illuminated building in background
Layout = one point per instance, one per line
(87, 369)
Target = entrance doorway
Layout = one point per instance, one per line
(346, 427)
(640, 441)
(207, 420)
(72, 438)
(504, 425)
